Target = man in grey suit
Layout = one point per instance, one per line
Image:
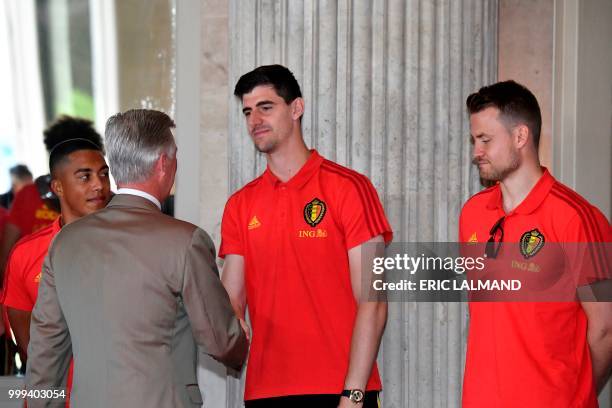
(131, 292)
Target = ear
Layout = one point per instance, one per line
(161, 165)
(297, 108)
(521, 136)
(57, 188)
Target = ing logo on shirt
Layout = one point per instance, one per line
(37, 277)
(318, 233)
(314, 212)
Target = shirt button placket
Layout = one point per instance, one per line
(283, 203)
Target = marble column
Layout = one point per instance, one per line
(384, 83)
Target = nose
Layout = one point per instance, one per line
(96, 183)
(477, 151)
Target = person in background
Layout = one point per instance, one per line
(80, 179)
(30, 212)
(33, 207)
(20, 177)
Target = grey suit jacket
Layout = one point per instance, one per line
(130, 293)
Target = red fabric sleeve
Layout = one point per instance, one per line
(361, 213)
(231, 242)
(587, 239)
(15, 293)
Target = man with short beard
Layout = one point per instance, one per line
(536, 354)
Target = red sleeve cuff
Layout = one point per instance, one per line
(365, 236)
(229, 250)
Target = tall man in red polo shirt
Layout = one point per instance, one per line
(80, 179)
(537, 354)
(292, 240)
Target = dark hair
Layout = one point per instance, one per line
(515, 102)
(67, 135)
(279, 77)
(20, 172)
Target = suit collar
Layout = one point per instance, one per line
(140, 193)
(129, 200)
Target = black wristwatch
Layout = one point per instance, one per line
(355, 396)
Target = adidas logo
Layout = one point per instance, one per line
(254, 223)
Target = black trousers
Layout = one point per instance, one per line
(309, 401)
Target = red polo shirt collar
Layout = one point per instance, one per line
(533, 200)
(308, 170)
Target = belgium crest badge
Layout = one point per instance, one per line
(314, 212)
(531, 243)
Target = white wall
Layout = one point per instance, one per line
(582, 104)
(594, 107)
(582, 98)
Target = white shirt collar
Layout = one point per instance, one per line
(140, 193)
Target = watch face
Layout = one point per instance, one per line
(356, 396)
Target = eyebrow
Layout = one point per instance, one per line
(260, 103)
(83, 171)
(88, 170)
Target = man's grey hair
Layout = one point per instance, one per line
(134, 141)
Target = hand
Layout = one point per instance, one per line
(246, 328)
(347, 403)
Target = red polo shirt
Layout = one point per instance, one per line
(294, 238)
(24, 268)
(3, 218)
(23, 273)
(29, 213)
(531, 354)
